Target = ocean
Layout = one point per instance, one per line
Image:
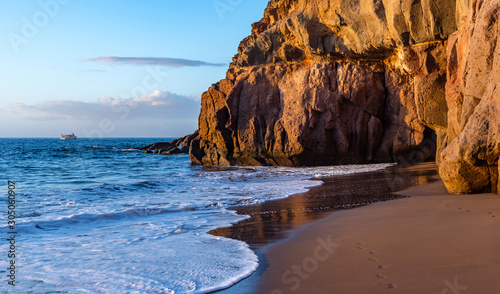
(97, 216)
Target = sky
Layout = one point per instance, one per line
(114, 68)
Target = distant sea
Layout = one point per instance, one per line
(97, 216)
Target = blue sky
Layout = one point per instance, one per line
(114, 68)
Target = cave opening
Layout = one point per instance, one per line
(423, 152)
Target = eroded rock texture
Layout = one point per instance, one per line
(469, 164)
(354, 81)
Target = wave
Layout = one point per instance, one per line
(88, 218)
(94, 147)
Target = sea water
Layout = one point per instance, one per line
(97, 216)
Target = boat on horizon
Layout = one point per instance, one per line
(68, 137)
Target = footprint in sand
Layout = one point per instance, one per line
(379, 267)
(360, 247)
(370, 253)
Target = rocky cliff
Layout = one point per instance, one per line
(353, 81)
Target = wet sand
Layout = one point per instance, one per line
(277, 223)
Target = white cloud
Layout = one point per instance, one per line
(158, 105)
(163, 61)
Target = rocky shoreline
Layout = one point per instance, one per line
(334, 82)
(322, 82)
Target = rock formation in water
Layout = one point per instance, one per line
(177, 146)
(355, 81)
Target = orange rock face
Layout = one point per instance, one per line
(333, 82)
(469, 164)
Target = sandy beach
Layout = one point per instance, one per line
(432, 242)
(429, 241)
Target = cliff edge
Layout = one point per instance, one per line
(355, 81)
